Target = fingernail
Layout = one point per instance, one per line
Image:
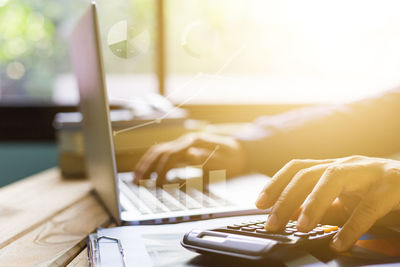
(336, 244)
(272, 223)
(304, 222)
(262, 197)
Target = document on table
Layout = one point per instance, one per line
(159, 245)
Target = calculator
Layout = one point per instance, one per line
(250, 240)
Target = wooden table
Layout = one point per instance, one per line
(44, 220)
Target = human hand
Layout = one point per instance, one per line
(211, 151)
(368, 189)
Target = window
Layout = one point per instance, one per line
(217, 51)
(281, 51)
(34, 63)
(32, 47)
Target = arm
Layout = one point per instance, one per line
(369, 127)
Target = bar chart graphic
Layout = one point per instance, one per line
(193, 193)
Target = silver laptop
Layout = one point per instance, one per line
(144, 203)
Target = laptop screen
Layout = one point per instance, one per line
(85, 50)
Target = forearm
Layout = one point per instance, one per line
(369, 127)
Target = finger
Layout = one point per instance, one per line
(147, 163)
(167, 161)
(142, 164)
(374, 206)
(333, 182)
(192, 156)
(293, 196)
(149, 160)
(349, 202)
(281, 179)
(335, 214)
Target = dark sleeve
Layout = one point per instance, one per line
(368, 127)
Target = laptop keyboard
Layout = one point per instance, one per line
(151, 199)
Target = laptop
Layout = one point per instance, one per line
(144, 203)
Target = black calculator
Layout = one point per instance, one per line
(250, 240)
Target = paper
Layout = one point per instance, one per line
(156, 245)
(159, 245)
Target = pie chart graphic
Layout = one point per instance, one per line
(126, 40)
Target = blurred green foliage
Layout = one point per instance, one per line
(33, 41)
(28, 36)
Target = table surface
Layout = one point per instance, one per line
(39, 222)
(45, 219)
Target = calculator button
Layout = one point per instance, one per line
(312, 233)
(248, 229)
(301, 234)
(262, 231)
(289, 231)
(319, 230)
(290, 225)
(261, 224)
(240, 224)
(329, 228)
(256, 227)
(234, 227)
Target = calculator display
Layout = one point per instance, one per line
(213, 238)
